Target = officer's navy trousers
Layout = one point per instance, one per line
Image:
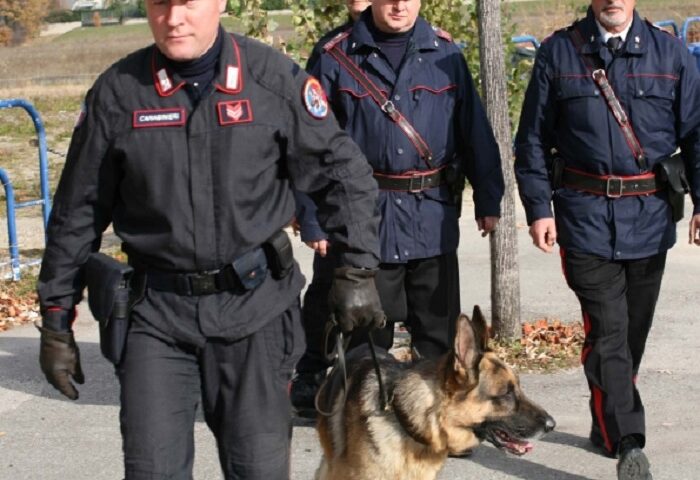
(617, 300)
(242, 386)
(424, 295)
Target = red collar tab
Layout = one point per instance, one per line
(163, 81)
(234, 112)
(231, 77)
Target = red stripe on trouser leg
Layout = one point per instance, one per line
(598, 408)
(586, 330)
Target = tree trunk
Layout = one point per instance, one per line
(505, 278)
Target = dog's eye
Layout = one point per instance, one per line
(509, 394)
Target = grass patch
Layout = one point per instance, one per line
(18, 141)
(25, 287)
(542, 17)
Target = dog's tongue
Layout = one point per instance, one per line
(518, 447)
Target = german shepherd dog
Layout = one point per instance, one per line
(435, 408)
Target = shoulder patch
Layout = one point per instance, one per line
(314, 98)
(442, 34)
(81, 115)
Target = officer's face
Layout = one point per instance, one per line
(356, 7)
(184, 29)
(614, 15)
(395, 16)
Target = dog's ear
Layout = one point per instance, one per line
(467, 350)
(480, 329)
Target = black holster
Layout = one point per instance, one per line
(556, 172)
(671, 171)
(110, 298)
(279, 253)
(456, 179)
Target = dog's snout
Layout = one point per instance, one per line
(549, 424)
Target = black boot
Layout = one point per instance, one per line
(303, 392)
(633, 464)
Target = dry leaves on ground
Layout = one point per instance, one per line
(17, 308)
(544, 346)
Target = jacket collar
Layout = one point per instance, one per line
(228, 79)
(637, 37)
(423, 38)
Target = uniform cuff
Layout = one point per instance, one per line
(535, 212)
(312, 232)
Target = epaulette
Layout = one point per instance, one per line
(555, 32)
(336, 40)
(653, 25)
(442, 34)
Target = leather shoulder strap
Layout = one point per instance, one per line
(601, 80)
(386, 105)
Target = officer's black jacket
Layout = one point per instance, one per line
(192, 187)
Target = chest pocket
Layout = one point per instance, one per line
(659, 90)
(579, 103)
(653, 103)
(569, 89)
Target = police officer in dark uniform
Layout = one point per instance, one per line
(612, 215)
(311, 368)
(425, 77)
(189, 148)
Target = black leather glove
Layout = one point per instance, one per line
(354, 300)
(59, 358)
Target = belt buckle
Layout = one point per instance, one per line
(421, 183)
(203, 283)
(613, 187)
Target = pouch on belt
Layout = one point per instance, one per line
(672, 172)
(108, 282)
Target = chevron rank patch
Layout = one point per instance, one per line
(236, 111)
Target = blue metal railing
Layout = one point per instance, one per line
(684, 31)
(669, 23)
(693, 47)
(44, 201)
(524, 52)
(526, 39)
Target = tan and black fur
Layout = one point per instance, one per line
(440, 407)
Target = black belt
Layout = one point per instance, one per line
(413, 182)
(612, 186)
(244, 273)
(194, 284)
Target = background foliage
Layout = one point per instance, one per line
(20, 19)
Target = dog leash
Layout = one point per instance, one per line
(383, 400)
(337, 356)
